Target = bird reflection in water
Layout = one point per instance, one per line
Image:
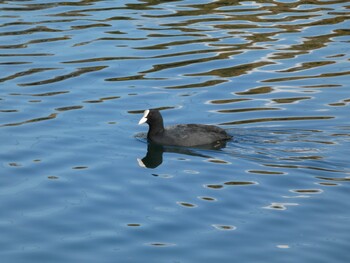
(154, 156)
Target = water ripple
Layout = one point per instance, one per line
(77, 76)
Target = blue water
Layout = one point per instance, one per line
(75, 79)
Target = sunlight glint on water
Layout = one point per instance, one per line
(75, 79)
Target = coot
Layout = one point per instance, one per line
(182, 134)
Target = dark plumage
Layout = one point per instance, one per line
(181, 134)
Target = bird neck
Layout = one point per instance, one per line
(156, 127)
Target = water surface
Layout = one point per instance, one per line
(75, 79)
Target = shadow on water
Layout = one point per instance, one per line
(154, 156)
